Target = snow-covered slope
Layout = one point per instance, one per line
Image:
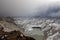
(48, 28)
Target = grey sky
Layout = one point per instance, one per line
(30, 7)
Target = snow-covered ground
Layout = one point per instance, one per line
(48, 28)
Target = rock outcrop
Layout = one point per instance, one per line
(10, 31)
(13, 35)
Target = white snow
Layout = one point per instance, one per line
(45, 24)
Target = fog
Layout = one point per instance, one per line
(30, 7)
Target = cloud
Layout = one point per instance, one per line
(30, 7)
(52, 10)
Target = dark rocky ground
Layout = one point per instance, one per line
(5, 23)
(13, 35)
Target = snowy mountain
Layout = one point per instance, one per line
(48, 28)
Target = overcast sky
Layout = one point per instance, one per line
(30, 7)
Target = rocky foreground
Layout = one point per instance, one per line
(10, 31)
(13, 35)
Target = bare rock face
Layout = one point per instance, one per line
(13, 35)
(10, 31)
(8, 24)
